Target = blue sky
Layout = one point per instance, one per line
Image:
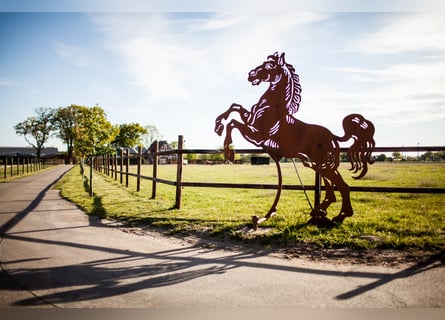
(178, 70)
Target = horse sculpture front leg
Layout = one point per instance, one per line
(244, 114)
(219, 127)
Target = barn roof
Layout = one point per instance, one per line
(25, 152)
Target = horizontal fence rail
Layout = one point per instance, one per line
(12, 166)
(109, 165)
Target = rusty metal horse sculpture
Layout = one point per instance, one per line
(270, 125)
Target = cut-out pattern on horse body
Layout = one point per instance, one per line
(270, 124)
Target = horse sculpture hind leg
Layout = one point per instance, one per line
(337, 180)
(273, 209)
(329, 195)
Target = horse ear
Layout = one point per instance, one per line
(273, 56)
(281, 60)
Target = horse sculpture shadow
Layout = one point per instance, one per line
(270, 124)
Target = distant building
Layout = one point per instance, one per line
(133, 152)
(49, 155)
(163, 159)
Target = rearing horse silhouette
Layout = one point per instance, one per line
(270, 125)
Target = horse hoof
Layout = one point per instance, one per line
(230, 156)
(255, 222)
(321, 222)
(338, 219)
(219, 128)
(316, 213)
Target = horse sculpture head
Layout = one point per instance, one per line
(273, 70)
(270, 71)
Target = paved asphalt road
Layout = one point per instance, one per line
(52, 254)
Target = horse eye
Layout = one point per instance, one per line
(268, 66)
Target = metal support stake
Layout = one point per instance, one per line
(127, 166)
(317, 190)
(179, 173)
(155, 170)
(138, 181)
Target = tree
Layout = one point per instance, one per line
(381, 157)
(93, 132)
(174, 145)
(37, 129)
(151, 135)
(129, 135)
(64, 121)
(397, 155)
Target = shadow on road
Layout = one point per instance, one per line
(34, 203)
(119, 275)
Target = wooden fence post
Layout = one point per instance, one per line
(127, 166)
(6, 167)
(12, 164)
(115, 166)
(179, 173)
(138, 181)
(122, 166)
(155, 170)
(109, 165)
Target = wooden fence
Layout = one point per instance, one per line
(119, 168)
(16, 166)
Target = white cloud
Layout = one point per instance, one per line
(169, 57)
(406, 87)
(158, 66)
(399, 94)
(216, 22)
(408, 33)
(195, 67)
(74, 55)
(255, 36)
(7, 83)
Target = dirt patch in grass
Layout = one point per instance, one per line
(254, 241)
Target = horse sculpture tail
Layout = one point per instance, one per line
(359, 153)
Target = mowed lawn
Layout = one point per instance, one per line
(380, 220)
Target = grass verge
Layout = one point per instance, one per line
(381, 221)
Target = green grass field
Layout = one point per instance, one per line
(391, 220)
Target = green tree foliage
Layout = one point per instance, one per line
(37, 129)
(397, 155)
(65, 121)
(93, 132)
(151, 135)
(433, 156)
(381, 157)
(129, 135)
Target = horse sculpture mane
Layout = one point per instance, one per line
(270, 125)
(293, 86)
(293, 91)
